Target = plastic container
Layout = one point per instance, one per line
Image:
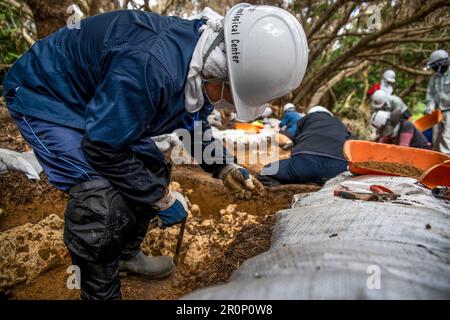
(364, 151)
(438, 175)
(248, 127)
(428, 120)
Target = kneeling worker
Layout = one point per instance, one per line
(382, 101)
(392, 129)
(317, 154)
(89, 100)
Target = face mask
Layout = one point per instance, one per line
(384, 107)
(439, 67)
(443, 69)
(222, 103)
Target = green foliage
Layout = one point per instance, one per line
(11, 44)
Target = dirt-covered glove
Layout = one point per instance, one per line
(240, 182)
(171, 209)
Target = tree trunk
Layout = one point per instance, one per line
(49, 15)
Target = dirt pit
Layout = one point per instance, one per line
(394, 168)
(221, 233)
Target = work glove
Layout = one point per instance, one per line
(171, 209)
(240, 182)
(288, 145)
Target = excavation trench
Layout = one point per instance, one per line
(220, 234)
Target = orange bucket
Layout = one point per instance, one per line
(439, 175)
(429, 120)
(365, 151)
(248, 127)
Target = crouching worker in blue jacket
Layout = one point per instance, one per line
(288, 124)
(317, 154)
(88, 101)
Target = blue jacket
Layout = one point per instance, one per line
(120, 78)
(290, 120)
(123, 65)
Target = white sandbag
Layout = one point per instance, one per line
(25, 162)
(326, 247)
(241, 138)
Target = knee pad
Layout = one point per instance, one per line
(97, 219)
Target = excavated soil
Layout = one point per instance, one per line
(221, 233)
(24, 201)
(394, 168)
(250, 241)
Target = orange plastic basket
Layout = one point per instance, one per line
(362, 151)
(429, 120)
(249, 127)
(438, 175)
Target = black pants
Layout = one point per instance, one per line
(101, 228)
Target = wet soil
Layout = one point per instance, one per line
(251, 241)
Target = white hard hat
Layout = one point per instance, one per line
(267, 111)
(379, 119)
(437, 55)
(267, 55)
(389, 75)
(288, 106)
(320, 109)
(379, 98)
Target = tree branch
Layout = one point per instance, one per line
(333, 81)
(324, 18)
(330, 68)
(403, 68)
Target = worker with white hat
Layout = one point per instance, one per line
(288, 124)
(317, 154)
(388, 81)
(438, 98)
(383, 101)
(392, 129)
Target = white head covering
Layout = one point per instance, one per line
(267, 112)
(320, 109)
(215, 65)
(288, 106)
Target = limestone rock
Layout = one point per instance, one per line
(28, 250)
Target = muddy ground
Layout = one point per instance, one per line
(222, 232)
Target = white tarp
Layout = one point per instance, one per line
(25, 162)
(326, 247)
